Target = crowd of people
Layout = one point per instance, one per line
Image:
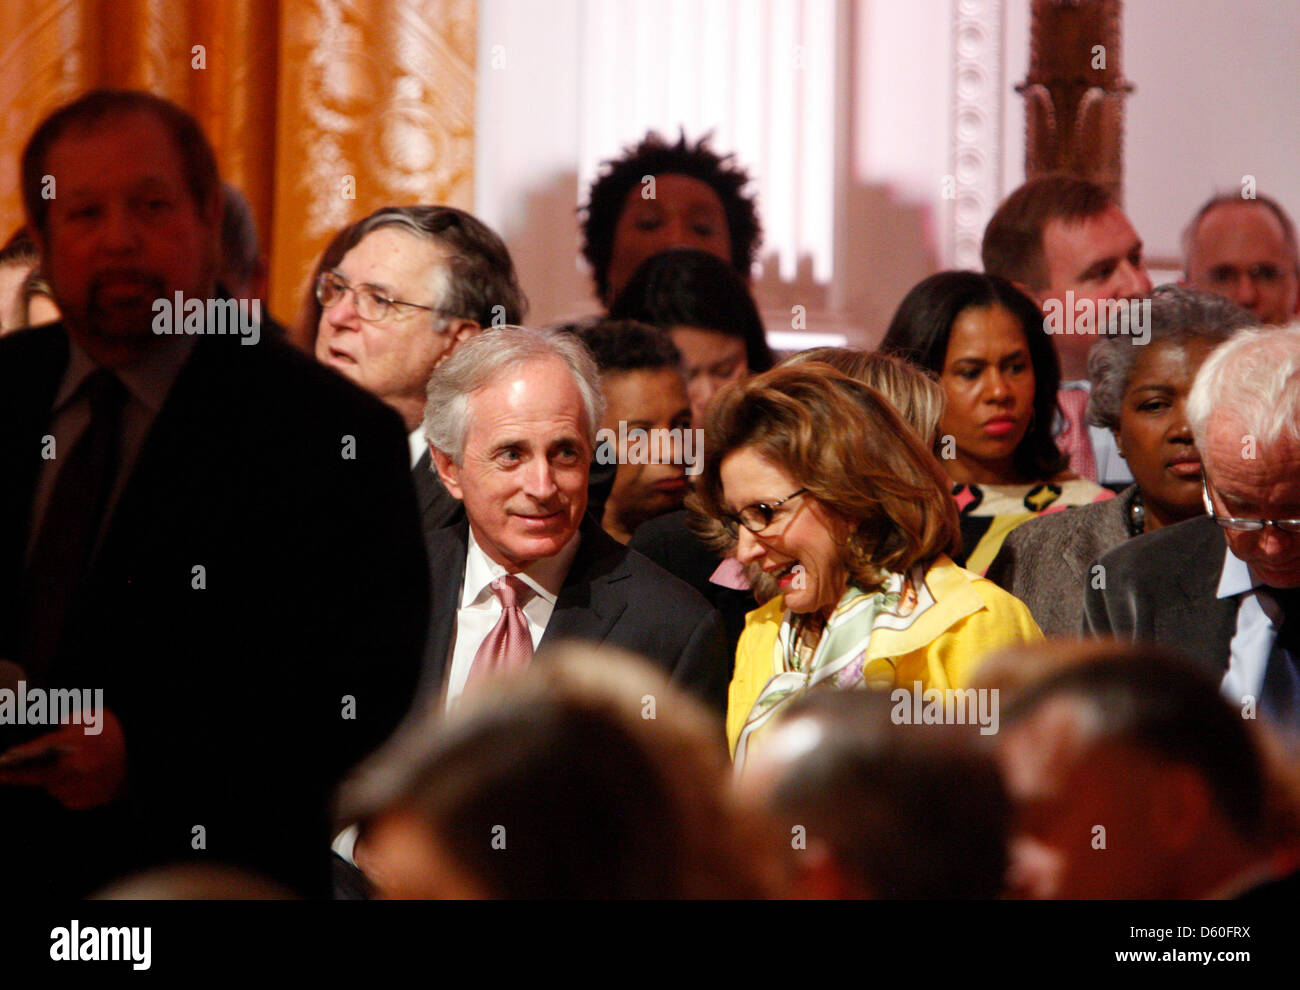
(419, 601)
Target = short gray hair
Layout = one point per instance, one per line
(1178, 316)
(1255, 379)
(485, 356)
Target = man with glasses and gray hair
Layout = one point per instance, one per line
(414, 283)
(1224, 588)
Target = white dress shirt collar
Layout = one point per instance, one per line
(545, 577)
(418, 445)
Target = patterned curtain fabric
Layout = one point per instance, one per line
(320, 110)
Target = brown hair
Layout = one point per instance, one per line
(1013, 240)
(844, 443)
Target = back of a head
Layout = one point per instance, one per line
(913, 391)
(1142, 698)
(907, 811)
(689, 288)
(555, 784)
(1013, 240)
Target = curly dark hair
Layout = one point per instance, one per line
(655, 156)
(922, 326)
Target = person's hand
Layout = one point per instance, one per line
(82, 771)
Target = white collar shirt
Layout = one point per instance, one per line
(480, 608)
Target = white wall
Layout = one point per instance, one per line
(1215, 100)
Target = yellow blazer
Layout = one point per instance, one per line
(971, 618)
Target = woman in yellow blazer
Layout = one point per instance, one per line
(842, 518)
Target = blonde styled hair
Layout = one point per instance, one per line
(911, 389)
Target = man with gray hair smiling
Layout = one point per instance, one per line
(511, 421)
(1223, 588)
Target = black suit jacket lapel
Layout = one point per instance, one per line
(447, 549)
(1205, 622)
(589, 603)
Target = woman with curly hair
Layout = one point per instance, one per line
(659, 196)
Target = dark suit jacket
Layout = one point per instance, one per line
(1046, 561)
(611, 595)
(1160, 588)
(243, 694)
(669, 542)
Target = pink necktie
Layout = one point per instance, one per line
(508, 646)
(1074, 441)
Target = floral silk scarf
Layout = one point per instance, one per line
(839, 659)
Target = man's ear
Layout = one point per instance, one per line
(448, 472)
(457, 330)
(460, 330)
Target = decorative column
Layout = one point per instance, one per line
(1074, 94)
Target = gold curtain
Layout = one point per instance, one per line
(320, 110)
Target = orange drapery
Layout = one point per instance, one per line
(320, 110)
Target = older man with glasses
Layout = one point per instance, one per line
(1225, 589)
(414, 283)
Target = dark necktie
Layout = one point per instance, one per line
(71, 525)
(1281, 695)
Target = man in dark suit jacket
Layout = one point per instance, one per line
(611, 595)
(511, 419)
(1160, 588)
(252, 596)
(1225, 589)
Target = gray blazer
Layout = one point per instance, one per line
(1045, 562)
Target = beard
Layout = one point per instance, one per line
(120, 302)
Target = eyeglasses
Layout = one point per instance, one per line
(372, 305)
(756, 517)
(1244, 525)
